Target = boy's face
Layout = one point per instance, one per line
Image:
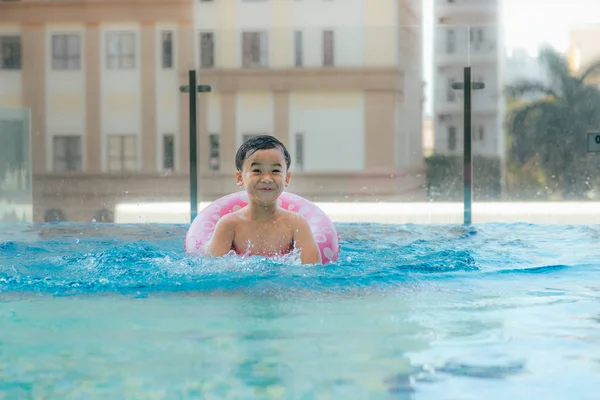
(264, 175)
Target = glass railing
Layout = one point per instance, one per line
(16, 203)
(370, 114)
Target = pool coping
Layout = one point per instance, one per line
(395, 212)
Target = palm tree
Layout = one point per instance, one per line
(552, 130)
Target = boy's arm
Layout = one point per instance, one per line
(222, 240)
(305, 242)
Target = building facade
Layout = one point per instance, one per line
(109, 124)
(327, 78)
(468, 33)
(521, 65)
(584, 49)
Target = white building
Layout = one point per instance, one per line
(522, 65)
(584, 48)
(468, 33)
(100, 83)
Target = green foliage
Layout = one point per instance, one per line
(547, 138)
(445, 178)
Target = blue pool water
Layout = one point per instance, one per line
(408, 312)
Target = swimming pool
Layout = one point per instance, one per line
(408, 312)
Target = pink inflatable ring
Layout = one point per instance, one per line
(324, 232)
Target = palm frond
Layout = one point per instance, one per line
(558, 66)
(530, 87)
(590, 72)
(518, 117)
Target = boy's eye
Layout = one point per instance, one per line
(256, 170)
(276, 170)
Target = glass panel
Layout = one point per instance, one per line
(443, 125)
(328, 48)
(10, 52)
(67, 153)
(168, 152)
(207, 49)
(298, 48)
(130, 163)
(214, 154)
(255, 49)
(299, 145)
(114, 146)
(130, 148)
(16, 203)
(550, 171)
(167, 49)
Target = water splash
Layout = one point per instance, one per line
(68, 259)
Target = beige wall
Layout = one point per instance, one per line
(61, 191)
(81, 196)
(34, 94)
(148, 62)
(41, 12)
(380, 130)
(584, 47)
(380, 86)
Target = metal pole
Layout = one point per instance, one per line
(468, 167)
(193, 148)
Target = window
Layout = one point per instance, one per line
(167, 49)
(451, 94)
(452, 138)
(214, 158)
(120, 50)
(450, 41)
(299, 156)
(12, 157)
(67, 153)
(207, 49)
(66, 52)
(122, 153)
(168, 152)
(298, 49)
(328, 48)
(476, 37)
(10, 52)
(481, 133)
(255, 49)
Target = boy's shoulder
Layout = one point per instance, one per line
(292, 216)
(229, 220)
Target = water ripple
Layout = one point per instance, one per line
(65, 259)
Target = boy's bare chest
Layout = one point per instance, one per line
(263, 240)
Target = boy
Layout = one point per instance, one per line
(263, 228)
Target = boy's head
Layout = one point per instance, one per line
(256, 143)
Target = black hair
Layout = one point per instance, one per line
(261, 142)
